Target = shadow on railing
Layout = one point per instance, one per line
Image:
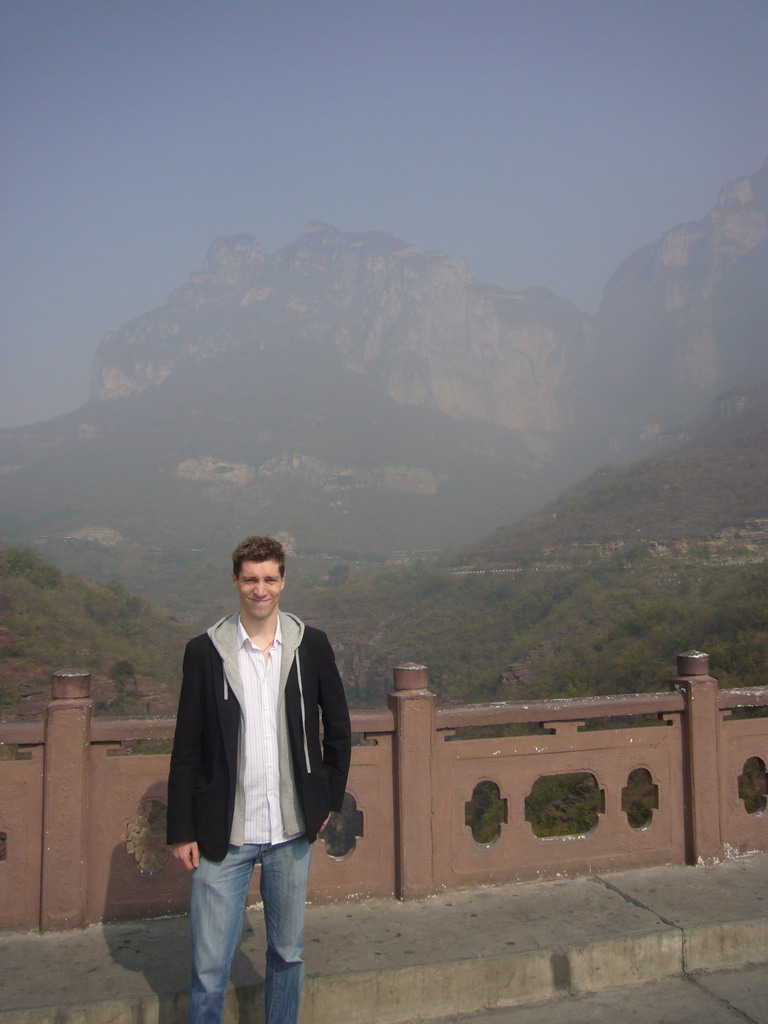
(438, 798)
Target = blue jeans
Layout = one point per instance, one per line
(219, 893)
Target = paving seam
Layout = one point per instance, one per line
(693, 980)
(692, 934)
(635, 902)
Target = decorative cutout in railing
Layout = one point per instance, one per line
(564, 805)
(639, 798)
(752, 785)
(486, 812)
(344, 829)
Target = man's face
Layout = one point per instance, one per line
(259, 586)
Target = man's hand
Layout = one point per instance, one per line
(322, 827)
(187, 853)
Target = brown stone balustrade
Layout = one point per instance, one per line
(82, 810)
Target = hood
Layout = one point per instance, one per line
(223, 635)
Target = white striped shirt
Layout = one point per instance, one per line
(261, 778)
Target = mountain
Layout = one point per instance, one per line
(686, 318)
(348, 391)
(414, 324)
(363, 397)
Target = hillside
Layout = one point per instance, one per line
(601, 624)
(50, 620)
(597, 592)
(715, 483)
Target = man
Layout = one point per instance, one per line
(250, 781)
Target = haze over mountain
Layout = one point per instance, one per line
(543, 142)
(687, 317)
(362, 396)
(712, 489)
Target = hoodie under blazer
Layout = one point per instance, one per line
(205, 785)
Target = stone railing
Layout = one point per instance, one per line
(82, 802)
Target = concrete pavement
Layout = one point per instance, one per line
(725, 997)
(637, 946)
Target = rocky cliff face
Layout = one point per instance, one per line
(415, 323)
(685, 317)
(682, 319)
(364, 396)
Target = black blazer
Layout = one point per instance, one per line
(203, 776)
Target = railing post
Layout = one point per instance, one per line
(65, 801)
(413, 707)
(701, 732)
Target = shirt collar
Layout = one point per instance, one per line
(242, 636)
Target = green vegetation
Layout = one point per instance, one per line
(51, 620)
(752, 786)
(193, 583)
(569, 805)
(486, 812)
(640, 797)
(599, 625)
(564, 805)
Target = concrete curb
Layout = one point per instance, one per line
(385, 962)
(437, 990)
(397, 994)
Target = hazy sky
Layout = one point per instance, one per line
(541, 140)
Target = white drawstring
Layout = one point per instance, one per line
(303, 712)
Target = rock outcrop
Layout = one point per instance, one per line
(415, 322)
(685, 317)
(365, 396)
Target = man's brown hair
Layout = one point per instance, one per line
(258, 549)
